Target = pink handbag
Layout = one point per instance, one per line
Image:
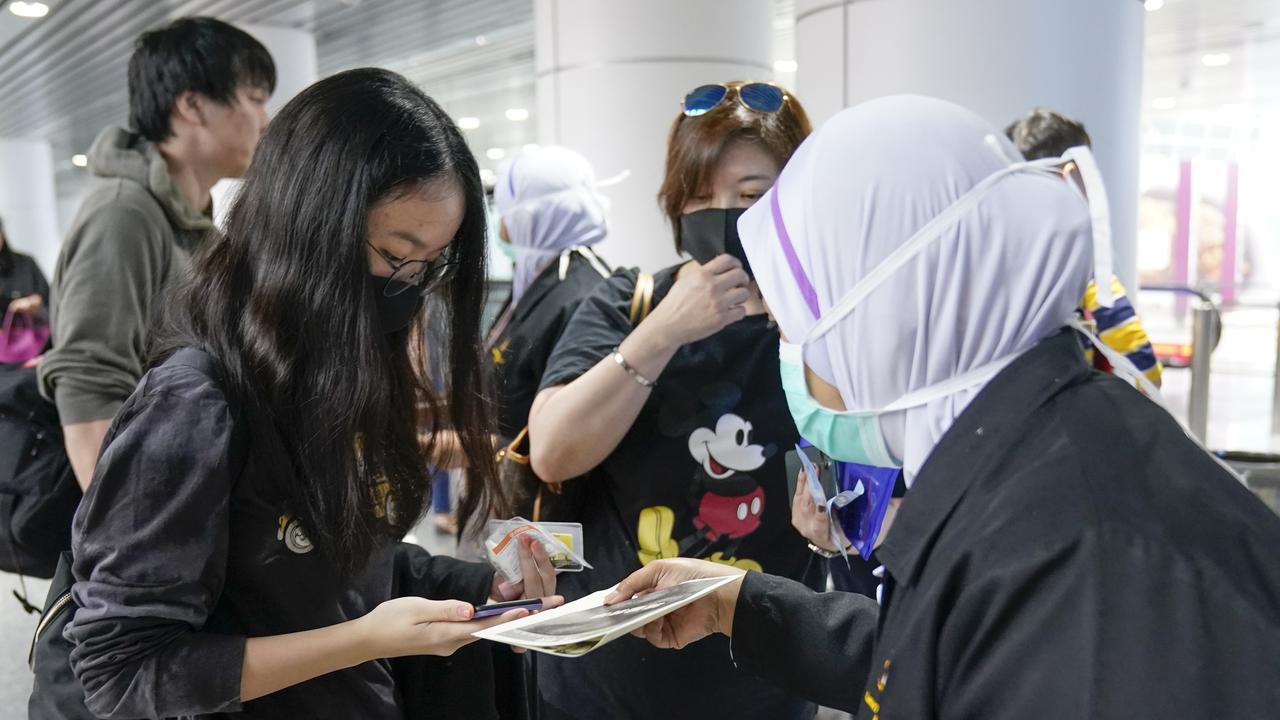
(21, 338)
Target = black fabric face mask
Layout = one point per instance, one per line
(708, 233)
(395, 312)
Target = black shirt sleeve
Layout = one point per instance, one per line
(439, 577)
(600, 323)
(519, 360)
(150, 542)
(816, 645)
(555, 330)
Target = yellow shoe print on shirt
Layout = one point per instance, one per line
(740, 563)
(654, 534)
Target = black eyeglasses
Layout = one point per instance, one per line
(760, 97)
(425, 275)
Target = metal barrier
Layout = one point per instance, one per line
(1261, 473)
(1206, 332)
(1206, 326)
(1275, 391)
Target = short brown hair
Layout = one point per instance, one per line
(696, 144)
(1044, 133)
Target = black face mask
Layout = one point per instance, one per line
(708, 233)
(395, 312)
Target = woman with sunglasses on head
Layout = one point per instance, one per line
(1065, 549)
(678, 420)
(236, 555)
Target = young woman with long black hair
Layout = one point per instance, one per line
(239, 538)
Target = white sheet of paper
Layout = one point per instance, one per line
(585, 624)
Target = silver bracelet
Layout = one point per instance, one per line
(635, 374)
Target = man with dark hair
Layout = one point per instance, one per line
(1043, 133)
(198, 89)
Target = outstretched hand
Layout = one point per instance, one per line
(709, 614)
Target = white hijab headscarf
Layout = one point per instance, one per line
(1009, 273)
(549, 203)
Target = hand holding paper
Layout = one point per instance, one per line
(670, 602)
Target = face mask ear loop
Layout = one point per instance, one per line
(613, 179)
(564, 263)
(1100, 216)
(999, 149)
(1122, 365)
(596, 263)
(914, 245)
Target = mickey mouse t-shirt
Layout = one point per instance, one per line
(699, 474)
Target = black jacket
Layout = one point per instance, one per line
(1065, 552)
(181, 553)
(518, 356)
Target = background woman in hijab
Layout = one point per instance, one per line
(551, 215)
(681, 421)
(1065, 550)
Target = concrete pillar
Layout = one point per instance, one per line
(27, 200)
(999, 58)
(610, 78)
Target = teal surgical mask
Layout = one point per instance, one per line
(505, 248)
(843, 436)
(855, 436)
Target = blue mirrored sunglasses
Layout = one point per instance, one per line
(760, 97)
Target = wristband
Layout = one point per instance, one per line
(635, 374)
(828, 554)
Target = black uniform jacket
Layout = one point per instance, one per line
(1065, 552)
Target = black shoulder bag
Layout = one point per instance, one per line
(38, 491)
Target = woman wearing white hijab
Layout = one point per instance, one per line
(549, 208)
(552, 216)
(1065, 549)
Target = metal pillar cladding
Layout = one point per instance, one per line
(1204, 330)
(999, 58)
(610, 78)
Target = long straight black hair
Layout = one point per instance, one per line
(285, 303)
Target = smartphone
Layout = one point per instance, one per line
(484, 611)
(826, 477)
